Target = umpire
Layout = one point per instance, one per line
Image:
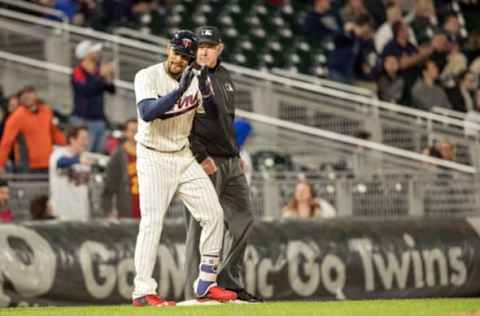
(213, 143)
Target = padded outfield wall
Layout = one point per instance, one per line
(75, 263)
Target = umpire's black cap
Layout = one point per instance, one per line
(184, 42)
(208, 34)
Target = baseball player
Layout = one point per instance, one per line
(214, 146)
(168, 94)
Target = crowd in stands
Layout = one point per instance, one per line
(419, 54)
(36, 140)
(105, 15)
(416, 53)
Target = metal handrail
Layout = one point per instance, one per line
(450, 113)
(312, 131)
(323, 82)
(37, 8)
(355, 141)
(256, 74)
(352, 98)
(128, 32)
(80, 30)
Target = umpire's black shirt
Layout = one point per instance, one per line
(213, 134)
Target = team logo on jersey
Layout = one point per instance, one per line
(183, 105)
(186, 42)
(229, 87)
(187, 102)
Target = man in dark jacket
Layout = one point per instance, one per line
(121, 182)
(213, 143)
(90, 80)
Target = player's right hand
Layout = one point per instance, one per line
(186, 78)
(209, 166)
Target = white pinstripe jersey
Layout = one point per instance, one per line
(170, 134)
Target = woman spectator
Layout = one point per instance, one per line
(390, 84)
(305, 204)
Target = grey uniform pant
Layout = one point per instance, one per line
(234, 194)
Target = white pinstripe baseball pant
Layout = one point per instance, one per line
(161, 176)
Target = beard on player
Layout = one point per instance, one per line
(176, 63)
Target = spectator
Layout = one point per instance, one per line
(426, 93)
(448, 59)
(321, 23)
(121, 182)
(471, 12)
(141, 15)
(424, 24)
(88, 14)
(442, 149)
(69, 177)
(390, 84)
(408, 55)
(31, 132)
(352, 10)
(452, 29)
(304, 204)
(462, 95)
(6, 215)
(40, 208)
(8, 108)
(115, 13)
(243, 130)
(114, 139)
(68, 7)
(376, 10)
(443, 57)
(352, 57)
(90, 80)
(472, 47)
(384, 33)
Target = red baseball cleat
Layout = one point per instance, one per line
(152, 300)
(220, 294)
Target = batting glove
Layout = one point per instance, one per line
(186, 79)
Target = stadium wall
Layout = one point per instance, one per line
(75, 263)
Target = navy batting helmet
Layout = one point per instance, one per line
(184, 42)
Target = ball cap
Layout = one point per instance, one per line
(208, 34)
(86, 47)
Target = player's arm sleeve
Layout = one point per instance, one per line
(150, 106)
(10, 133)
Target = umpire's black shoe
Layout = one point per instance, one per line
(243, 295)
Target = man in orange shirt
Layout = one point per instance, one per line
(31, 132)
